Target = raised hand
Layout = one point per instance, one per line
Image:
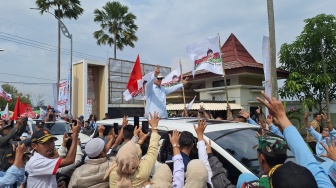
(245, 114)
(306, 115)
(200, 128)
(125, 121)
(324, 116)
(331, 149)
(76, 128)
(258, 110)
(65, 139)
(269, 120)
(157, 70)
(208, 146)
(174, 137)
(154, 121)
(137, 130)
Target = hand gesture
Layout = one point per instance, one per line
(142, 136)
(185, 81)
(174, 137)
(101, 129)
(157, 70)
(19, 122)
(76, 128)
(324, 116)
(125, 121)
(275, 107)
(20, 149)
(137, 130)
(269, 120)
(258, 110)
(208, 146)
(245, 114)
(200, 128)
(306, 115)
(65, 139)
(331, 149)
(154, 121)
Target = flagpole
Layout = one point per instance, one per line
(183, 86)
(143, 94)
(224, 76)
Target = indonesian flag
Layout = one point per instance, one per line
(173, 78)
(5, 114)
(189, 106)
(134, 82)
(16, 113)
(206, 55)
(6, 96)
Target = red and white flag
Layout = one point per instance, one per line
(135, 81)
(5, 114)
(189, 106)
(6, 96)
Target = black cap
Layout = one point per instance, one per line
(292, 175)
(42, 136)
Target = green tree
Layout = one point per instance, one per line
(117, 26)
(25, 98)
(64, 8)
(304, 60)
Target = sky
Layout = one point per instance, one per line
(165, 28)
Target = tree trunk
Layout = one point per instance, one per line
(115, 45)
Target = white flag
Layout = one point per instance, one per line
(189, 106)
(5, 114)
(206, 55)
(6, 96)
(173, 78)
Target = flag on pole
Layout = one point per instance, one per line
(267, 67)
(43, 113)
(6, 96)
(173, 78)
(16, 113)
(134, 82)
(205, 54)
(189, 106)
(5, 114)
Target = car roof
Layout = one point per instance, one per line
(185, 124)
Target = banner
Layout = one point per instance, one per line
(173, 78)
(88, 108)
(6, 96)
(267, 67)
(139, 95)
(206, 55)
(62, 96)
(5, 114)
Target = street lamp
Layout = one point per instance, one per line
(66, 33)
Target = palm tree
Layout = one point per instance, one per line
(65, 8)
(117, 26)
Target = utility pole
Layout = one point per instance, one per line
(325, 72)
(271, 28)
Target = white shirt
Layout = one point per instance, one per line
(42, 171)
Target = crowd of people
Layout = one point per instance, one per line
(130, 158)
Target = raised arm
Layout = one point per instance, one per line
(121, 133)
(178, 174)
(150, 82)
(70, 158)
(169, 90)
(295, 142)
(327, 120)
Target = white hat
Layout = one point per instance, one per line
(160, 76)
(94, 147)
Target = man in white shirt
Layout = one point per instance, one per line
(43, 165)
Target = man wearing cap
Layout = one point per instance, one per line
(156, 94)
(272, 154)
(92, 173)
(9, 131)
(44, 163)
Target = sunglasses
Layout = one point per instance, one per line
(159, 78)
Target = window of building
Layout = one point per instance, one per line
(220, 83)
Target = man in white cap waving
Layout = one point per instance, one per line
(156, 94)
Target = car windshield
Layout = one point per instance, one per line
(57, 128)
(239, 143)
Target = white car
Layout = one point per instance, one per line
(232, 142)
(58, 129)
